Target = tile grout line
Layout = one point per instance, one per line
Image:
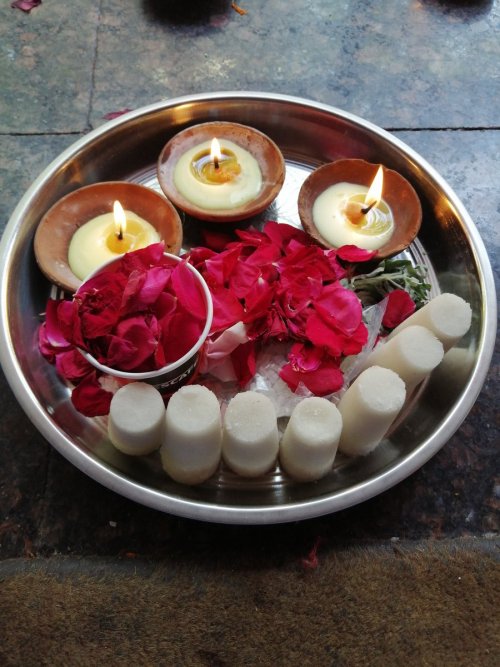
(94, 66)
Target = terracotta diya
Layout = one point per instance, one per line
(59, 225)
(242, 181)
(398, 194)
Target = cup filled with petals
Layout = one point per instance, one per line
(142, 317)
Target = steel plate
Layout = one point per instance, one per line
(308, 134)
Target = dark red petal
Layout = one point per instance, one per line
(399, 306)
(90, 398)
(134, 344)
(184, 332)
(215, 240)
(351, 253)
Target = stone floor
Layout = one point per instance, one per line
(425, 70)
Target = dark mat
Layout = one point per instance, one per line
(398, 604)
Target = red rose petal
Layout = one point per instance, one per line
(184, 332)
(354, 343)
(341, 307)
(134, 344)
(305, 358)
(227, 309)
(323, 335)
(72, 365)
(323, 381)
(244, 362)
(399, 306)
(188, 291)
(145, 258)
(351, 253)
(90, 398)
(144, 288)
(215, 240)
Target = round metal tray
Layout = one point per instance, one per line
(308, 134)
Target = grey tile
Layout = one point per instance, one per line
(418, 64)
(22, 159)
(46, 64)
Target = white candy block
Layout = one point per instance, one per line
(191, 447)
(368, 408)
(309, 444)
(250, 434)
(136, 419)
(448, 316)
(412, 354)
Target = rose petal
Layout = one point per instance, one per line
(305, 357)
(134, 344)
(143, 259)
(323, 335)
(227, 309)
(25, 5)
(115, 114)
(55, 336)
(351, 253)
(244, 363)
(72, 365)
(184, 332)
(188, 291)
(340, 307)
(325, 380)
(144, 288)
(215, 240)
(90, 398)
(399, 306)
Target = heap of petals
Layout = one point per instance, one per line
(140, 314)
(284, 287)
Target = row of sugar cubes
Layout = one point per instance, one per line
(192, 436)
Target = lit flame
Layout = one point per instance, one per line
(215, 153)
(120, 220)
(374, 194)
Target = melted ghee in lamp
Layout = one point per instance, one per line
(97, 241)
(223, 170)
(235, 181)
(338, 218)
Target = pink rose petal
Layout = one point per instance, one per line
(25, 5)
